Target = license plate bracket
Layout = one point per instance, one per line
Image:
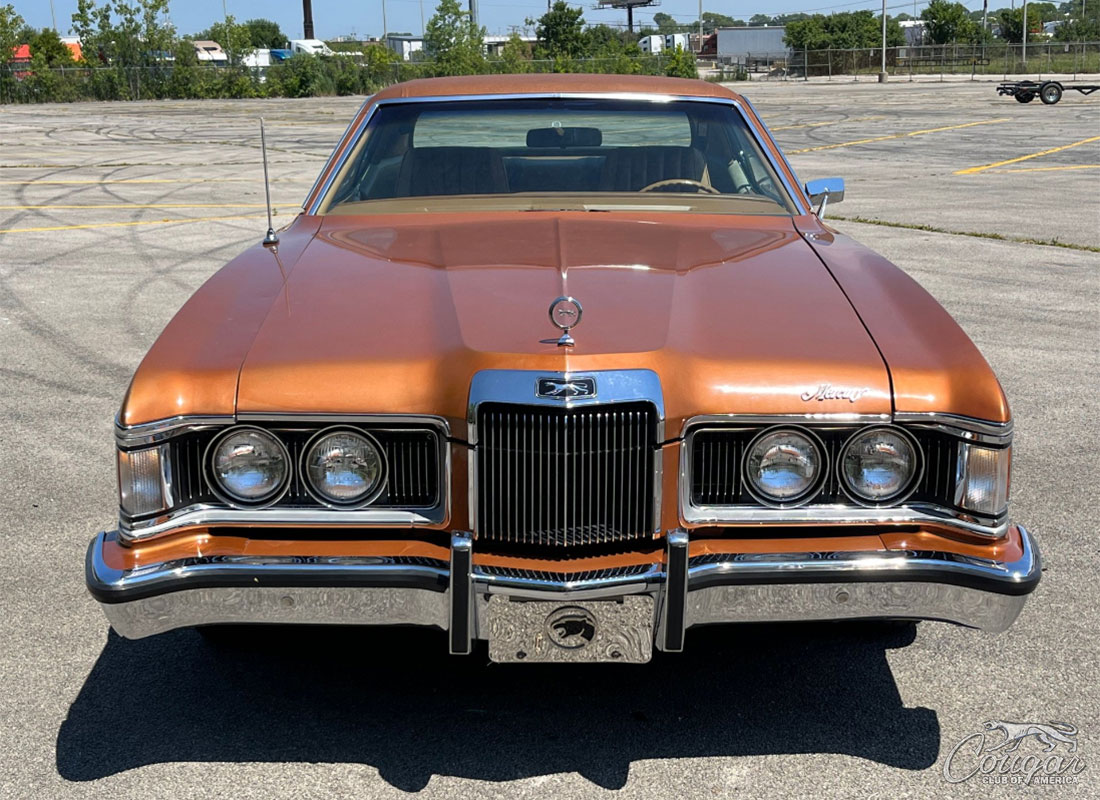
(618, 630)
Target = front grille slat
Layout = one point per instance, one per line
(565, 478)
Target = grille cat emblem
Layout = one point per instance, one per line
(571, 627)
(565, 388)
(565, 313)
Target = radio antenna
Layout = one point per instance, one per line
(270, 238)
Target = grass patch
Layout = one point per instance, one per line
(976, 234)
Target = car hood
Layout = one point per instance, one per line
(394, 314)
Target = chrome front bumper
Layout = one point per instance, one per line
(700, 590)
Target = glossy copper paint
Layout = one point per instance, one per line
(395, 313)
(398, 315)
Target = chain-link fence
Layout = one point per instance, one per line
(996, 59)
(310, 77)
(301, 76)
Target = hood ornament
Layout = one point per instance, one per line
(565, 313)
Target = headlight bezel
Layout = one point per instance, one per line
(813, 489)
(307, 483)
(224, 494)
(910, 486)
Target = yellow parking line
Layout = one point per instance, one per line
(128, 224)
(48, 206)
(1051, 169)
(897, 136)
(828, 122)
(983, 167)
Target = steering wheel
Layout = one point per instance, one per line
(683, 181)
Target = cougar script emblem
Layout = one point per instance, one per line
(827, 391)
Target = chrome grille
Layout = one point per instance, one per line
(565, 477)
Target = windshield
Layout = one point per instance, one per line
(548, 154)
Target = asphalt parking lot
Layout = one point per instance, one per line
(112, 214)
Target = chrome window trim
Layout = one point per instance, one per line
(519, 387)
(332, 156)
(912, 513)
(800, 201)
(206, 514)
(760, 135)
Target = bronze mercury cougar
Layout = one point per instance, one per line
(569, 364)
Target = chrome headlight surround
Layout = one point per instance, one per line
(317, 494)
(225, 494)
(811, 490)
(908, 487)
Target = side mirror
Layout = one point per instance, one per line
(825, 191)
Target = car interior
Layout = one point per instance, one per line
(700, 155)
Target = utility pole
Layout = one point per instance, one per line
(423, 30)
(385, 26)
(307, 19)
(985, 15)
(473, 13)
(882, 74)
(53, 15)
(1023, 49)
(701, 23)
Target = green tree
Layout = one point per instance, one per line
(1082, 24)
(124, 33)
(453, 42)
(757, 20)
(236, 40)
(516, 54)
(560, 33)
(11, 29)
(1012, 23)
(47, 46)
(1047, 12)
(949, 22)
(845, 31)
(665, 23)
(713, 21)
(263, 33)
(681, 64)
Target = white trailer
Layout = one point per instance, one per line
(674, 40)
(651, 44)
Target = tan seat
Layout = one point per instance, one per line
(630, 169)
(427, 171)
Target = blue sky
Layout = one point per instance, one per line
(335, 17)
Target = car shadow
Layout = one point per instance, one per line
(394, 699)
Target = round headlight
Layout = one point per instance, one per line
(249, 465)
(783, 466)
(879, 465)
(344, 467)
